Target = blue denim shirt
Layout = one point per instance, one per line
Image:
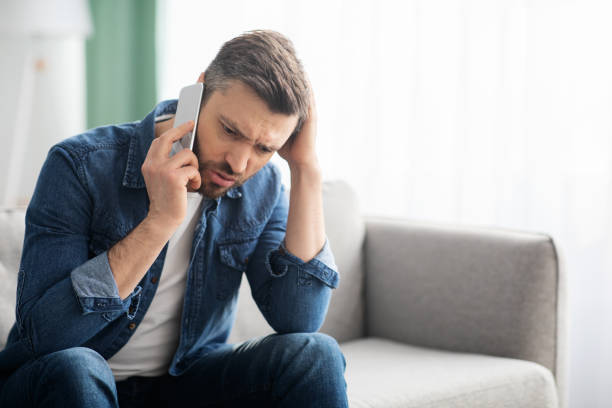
(90, 194)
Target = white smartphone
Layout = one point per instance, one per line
(188, 109)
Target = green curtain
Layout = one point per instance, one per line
(121, 85)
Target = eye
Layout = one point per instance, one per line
(264, 150)
(228, 130)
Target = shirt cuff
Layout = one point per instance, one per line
(322, 266)
(324, 256)
(96, 289)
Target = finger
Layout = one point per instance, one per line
(177, 132)
(162, 145)
(312, 106)
(311, 97)
(184, 158)
(190, 175)
(196, 182)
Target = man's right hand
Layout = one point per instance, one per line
(167, 178)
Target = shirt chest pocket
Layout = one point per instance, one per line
(233, 262)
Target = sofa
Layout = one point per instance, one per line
(427, 315)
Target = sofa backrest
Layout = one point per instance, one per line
(12, 227)
(467, 289)
(345, 231)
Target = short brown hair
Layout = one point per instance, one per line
(266, 61)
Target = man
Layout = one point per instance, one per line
(132, 259)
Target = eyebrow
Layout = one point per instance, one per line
(234, 127)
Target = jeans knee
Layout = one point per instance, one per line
(316, 347)
(325, 346)
(77, 364)
(310, 368)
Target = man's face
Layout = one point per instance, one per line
(237, 135)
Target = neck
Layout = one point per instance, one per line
(161, 127)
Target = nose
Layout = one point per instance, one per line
(238, 158)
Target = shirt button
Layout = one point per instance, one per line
(154, 279)
(132, 326)
(132, 309)
(246, 260)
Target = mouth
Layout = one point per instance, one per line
(220, 178)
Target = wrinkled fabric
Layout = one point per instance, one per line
(280, 370)
(90, 194)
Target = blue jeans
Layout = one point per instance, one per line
(288, 370)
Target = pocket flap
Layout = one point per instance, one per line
(236, 254)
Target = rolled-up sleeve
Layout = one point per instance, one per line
(293, 295)
(97, 291)
(322, 266)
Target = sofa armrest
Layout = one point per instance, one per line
(487, 291)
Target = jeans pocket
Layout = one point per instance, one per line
(233, 262)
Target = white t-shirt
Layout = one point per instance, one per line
(151, 348)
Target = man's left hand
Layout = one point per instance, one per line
(300, 148)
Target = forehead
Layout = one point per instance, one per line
(246, 110)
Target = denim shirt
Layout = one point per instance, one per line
(90, 194)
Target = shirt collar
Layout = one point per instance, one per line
(140, 142)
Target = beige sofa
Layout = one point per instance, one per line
(427, 315)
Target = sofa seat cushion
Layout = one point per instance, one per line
(383, 373)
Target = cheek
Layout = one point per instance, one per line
(209, 147)
(255, 164)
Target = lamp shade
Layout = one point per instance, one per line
(45, 17)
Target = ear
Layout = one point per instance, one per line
(201, 78)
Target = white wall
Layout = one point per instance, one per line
(488, 112)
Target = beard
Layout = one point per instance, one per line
(209, 188)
